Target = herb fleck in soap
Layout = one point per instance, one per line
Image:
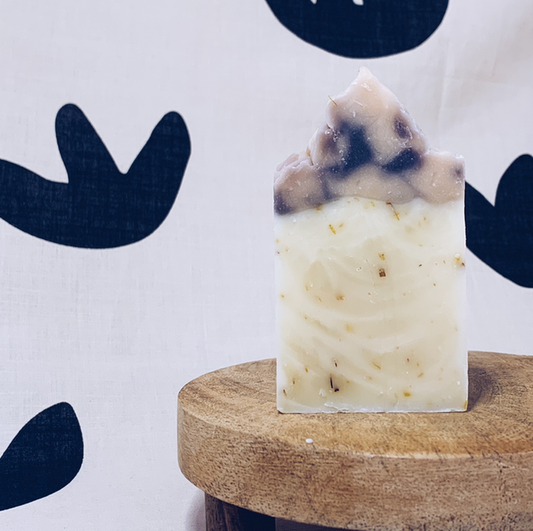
(370, 271)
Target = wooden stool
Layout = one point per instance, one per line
(385, 471)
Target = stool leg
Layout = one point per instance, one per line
(222, 516)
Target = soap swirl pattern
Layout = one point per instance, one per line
(343, 272)
(369, 147)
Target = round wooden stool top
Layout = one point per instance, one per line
(453, 471)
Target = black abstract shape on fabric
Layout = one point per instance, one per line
(376, 28)
(99, 207)
(44, 457)
(502, 235)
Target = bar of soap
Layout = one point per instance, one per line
(370, 264)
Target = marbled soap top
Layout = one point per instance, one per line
(368, 147)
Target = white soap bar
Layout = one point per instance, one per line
(370, 269)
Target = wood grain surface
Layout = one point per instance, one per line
(384, 471)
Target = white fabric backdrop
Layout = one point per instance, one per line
(116, 333)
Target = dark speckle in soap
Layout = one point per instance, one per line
(280, 207)
(401, 128)
(459, 172)
(408, 159)
(358, 151)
